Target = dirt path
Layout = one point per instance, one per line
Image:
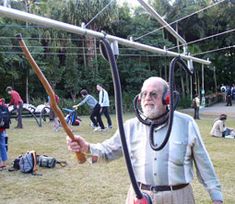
(214, 110)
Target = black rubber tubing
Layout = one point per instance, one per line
(108, 55)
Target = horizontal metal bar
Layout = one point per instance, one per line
(23, 16)
(151, 10)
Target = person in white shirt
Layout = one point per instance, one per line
(104, 103)
(196, 106)
(223, 90)
(220, 130)
(166, 174)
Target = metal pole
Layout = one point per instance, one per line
(191, 87)
(203, 103)
(23, 16)
(98, 13)
(151, 10)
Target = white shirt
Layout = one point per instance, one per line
(172, 165)
(197, 101)
(218, 128)
(103, 98)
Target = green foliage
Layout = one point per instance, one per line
(185, 102)
(71, 64)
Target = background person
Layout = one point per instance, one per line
(54, 117)
(223, 89)
(17, 102)
(196, 106)
(219, 128)
(3, 143)
(229, 96)
(95, 115)
(233, 92)
(165, 175)
(104, 104)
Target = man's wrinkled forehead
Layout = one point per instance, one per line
(150, 85)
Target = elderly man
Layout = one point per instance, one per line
(165, 175)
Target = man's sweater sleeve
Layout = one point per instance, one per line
(108, 150)
(204, 167)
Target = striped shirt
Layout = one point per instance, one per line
(103, 98)
(172, 165)
(89, 100)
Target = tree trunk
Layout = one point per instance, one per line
(215, 80)
(149, 66)
(90, 45)
(27, 87)
(84, 54)
(96, 64)
(182, 84)
(198, 85)
(191, 87)
(166, 71)
(187, 86)
(73, 96)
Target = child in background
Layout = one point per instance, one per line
(3, 149)
(55, 118)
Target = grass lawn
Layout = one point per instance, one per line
(100, 183)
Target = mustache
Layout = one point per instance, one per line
(152, 105)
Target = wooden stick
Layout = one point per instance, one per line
(80, 156)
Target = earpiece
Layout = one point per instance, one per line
(166, 97)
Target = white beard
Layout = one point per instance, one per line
(151, 112)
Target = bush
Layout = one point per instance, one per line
(37, 101)
(185, 102)
(84, 110)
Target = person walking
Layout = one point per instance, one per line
(95, 115)
(164, 175)
(104, 104)
(17, 102)
(196, 106)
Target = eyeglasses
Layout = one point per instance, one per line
(152, 95)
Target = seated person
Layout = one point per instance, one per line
(220, 130)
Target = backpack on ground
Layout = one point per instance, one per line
(28, 163)
(4, 117)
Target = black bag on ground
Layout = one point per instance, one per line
(46, 161)
(27, 163)
(49, 162)
(4, 117)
